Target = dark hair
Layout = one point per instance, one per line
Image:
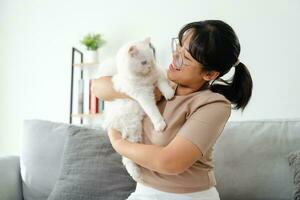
(215, 45)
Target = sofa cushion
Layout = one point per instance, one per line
(10, 181)
(42, 147)
(294, 162)
(251, 159)
(42, 144)
(91, 169)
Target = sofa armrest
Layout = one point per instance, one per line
(10, 178)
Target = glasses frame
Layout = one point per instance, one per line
(177, 54)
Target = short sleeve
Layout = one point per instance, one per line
(205, 125)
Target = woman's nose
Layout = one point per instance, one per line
(176, 60)
(175, 56)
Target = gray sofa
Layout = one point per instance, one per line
(250, 156)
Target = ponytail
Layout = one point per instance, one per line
(238, 89)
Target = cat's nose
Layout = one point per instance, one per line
(144, 62)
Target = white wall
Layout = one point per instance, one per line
(36, 39)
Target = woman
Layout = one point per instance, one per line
(178, 163)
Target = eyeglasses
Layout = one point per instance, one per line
(176, 48)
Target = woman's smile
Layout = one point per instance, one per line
(173, 68)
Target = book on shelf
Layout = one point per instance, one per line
(93, 101)
(80, 108)
(100, 105)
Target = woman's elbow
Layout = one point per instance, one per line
(168, 167)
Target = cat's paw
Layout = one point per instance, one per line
(160, 126)
(169, 93)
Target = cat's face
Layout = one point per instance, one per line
(137, 57)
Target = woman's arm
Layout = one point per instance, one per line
(172, 159)
(198, 134)
(103, 88)
(145, 154)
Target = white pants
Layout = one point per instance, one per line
(143, 192)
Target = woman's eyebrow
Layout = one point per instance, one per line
(186, 55)
(183, 39)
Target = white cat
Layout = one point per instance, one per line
(137, 75)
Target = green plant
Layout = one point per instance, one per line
(92, 41)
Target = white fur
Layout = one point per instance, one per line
(137, 75)
(107, 67)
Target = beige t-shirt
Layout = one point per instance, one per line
(199, 117)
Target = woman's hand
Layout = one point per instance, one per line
(115, 138)
(103, 88)
(144, 155)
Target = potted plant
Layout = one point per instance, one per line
(92, 42)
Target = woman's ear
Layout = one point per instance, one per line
(211, 75)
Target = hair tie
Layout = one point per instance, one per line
(236, 63)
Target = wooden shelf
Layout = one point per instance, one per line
(87, 115)
(85, 64)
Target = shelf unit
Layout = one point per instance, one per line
(87, 115)
(81, 65)
(81, 103)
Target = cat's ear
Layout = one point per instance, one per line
(133, 51)
(147, 40)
